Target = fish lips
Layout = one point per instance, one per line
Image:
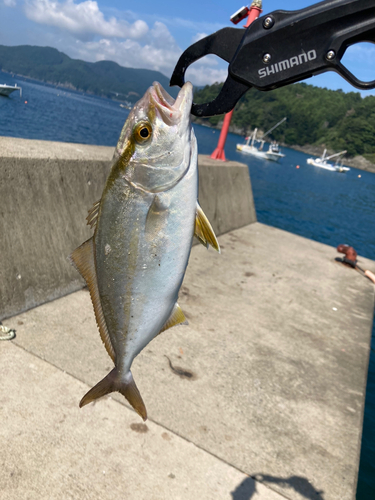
(170, 110)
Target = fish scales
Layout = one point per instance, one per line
(140, 277)
(136, 260)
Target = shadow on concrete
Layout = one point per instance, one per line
(245, 490)
(301, 485)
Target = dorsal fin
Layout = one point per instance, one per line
(84, 260)
(92, 217)
(203, 229)
(177, 317)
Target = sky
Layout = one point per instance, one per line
(148, 34)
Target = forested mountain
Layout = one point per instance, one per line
(103, 78)
(315, 116)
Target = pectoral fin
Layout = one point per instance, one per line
(156, 219)
(84, 261)
(203, 230)
(176, 318)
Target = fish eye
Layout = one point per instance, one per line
(142, 132)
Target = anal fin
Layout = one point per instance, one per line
(176, 318)
(84, 260)
(203, 230)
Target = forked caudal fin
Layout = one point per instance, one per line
(125, 385)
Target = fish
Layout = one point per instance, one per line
(144, 225)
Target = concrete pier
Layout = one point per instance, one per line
(260, 397)
(46, 189)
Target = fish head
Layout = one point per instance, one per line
(157, 143)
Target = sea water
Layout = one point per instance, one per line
(325, 206)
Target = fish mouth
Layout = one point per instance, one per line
(172, 110)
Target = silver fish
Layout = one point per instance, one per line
(144, 223)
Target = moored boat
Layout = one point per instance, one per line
(273, 153)
(322, 162)
(8, 89)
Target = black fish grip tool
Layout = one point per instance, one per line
(282, 48)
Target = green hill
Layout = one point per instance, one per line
(103, 78)
(315, 116)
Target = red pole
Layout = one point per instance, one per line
(254, 13)
(219, 154)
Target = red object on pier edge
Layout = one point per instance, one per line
(219, 153)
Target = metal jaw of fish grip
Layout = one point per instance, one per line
(283, 48)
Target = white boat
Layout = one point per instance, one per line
(8, 89)
(273, 153)
(322, 162)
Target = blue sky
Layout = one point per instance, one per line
(146, 34)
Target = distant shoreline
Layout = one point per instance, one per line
(358, 161)
(67, 86)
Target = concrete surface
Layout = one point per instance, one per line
(225, 194)
(51, 450)
(275, 360)
(46, 189)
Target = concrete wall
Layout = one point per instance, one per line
(46, 189)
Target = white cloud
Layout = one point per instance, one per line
(184, 24)
(198, 37)
(158, 51)
(10, 3)
(200, 75)
(83, 18)
(160, 37)
(363, 52)
(83, 30)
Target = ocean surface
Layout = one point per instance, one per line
(328, 207)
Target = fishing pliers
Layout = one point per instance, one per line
(282, 48)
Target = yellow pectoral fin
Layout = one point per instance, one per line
(198, 233)
(203, 230)
(84, 260)
(176, 318)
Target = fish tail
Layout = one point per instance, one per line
(113, 382)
